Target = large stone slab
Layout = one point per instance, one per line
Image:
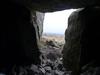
(57, 5)
(18, 40)
(82, 39)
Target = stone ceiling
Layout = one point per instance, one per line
(57, 5)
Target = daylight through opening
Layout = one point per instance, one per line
(54, 26)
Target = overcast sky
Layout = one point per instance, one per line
(56, 22)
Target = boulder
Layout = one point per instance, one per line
(18, 39)
(72, 47)
(82, 39)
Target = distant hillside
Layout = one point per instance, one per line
(54, 37)
(53, 34)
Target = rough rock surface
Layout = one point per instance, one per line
(18, 42)
(40, 20)
(82, 40)
(37, 20)
(54, 5)
(72, 47)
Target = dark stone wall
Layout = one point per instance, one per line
(90, 19)
(18, 45)
(57, 5)
(82, 40)
(72, 47)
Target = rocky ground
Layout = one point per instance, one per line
(51, 49)
(51, 57)
(51, 60)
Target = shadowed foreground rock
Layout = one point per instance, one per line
(82, 41)
(18, 39)
(72, 48)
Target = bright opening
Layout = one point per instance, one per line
(56, 22)
(52, 41)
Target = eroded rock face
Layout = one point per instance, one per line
(72, 47)
(90, 18)
(38, 19)
(57, 5)
(18, 42)
(82, 40)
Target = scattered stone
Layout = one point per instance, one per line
(52, 56)
(48, 69)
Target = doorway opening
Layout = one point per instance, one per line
(54, 26)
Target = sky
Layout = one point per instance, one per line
(56, 22)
